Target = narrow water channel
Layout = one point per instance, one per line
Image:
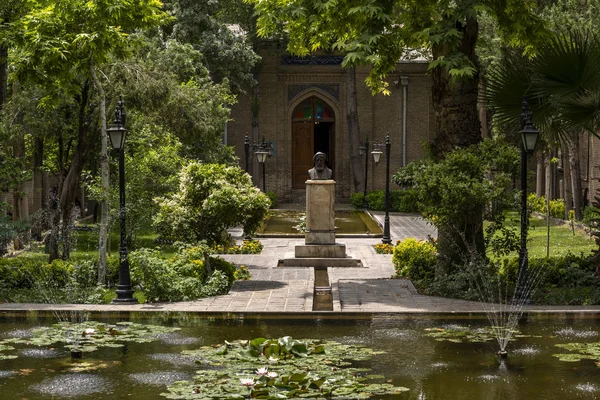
(322, 297)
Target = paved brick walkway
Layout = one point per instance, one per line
(275, 289)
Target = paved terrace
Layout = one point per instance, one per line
(275, 289)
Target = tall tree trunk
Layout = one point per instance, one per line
(539, 174)
(567, 180)
(3, 75)
(20, 210)
(549, 192)
(483, 112)
(358, 178)
(38, 158)
(68, 187)
(457, 125)
(573, 145)
(255, 109)
(104, 214)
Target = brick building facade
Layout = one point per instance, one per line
(302, 109)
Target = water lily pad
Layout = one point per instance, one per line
(88, 336)
(582, 351)
(464, 334)
(281, 368)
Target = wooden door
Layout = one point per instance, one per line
(302, 153)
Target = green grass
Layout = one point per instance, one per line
(86, 245)
(562, 238)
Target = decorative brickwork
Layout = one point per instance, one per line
(332, 88)
(285, 82)
(311, 60)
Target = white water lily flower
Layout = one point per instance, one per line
(90, 331)
(262, 371)
(273, 359)
(272, 375)
(247, 381)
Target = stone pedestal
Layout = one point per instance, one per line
(320, 214)
(320, 248)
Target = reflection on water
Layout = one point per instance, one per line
(431, 369)
(346, 222)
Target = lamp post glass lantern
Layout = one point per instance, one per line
(376, 155)
(529, 136)
(117, 133)
(263, 150)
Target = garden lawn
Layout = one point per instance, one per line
(562, 238)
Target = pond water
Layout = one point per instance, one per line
(284, 222)
(431, 369)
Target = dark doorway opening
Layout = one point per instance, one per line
(313, 130)
(323, 140)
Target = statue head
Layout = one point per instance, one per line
(319, 159)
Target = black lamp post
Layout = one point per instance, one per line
(263, 150)
(376, 156)
(529, 136)
(117, 134)
(363, 150)
(247, 152)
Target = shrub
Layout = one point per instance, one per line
(458, 285)
(217, 284)
(566, 271)
(536, 204)
(58, 272)
(210, 199)
(7, 234)
(272, 198)
(228, 268)
(404, 201)
(453, 192)
(415, 259)
(155, 276)
(591, 216)
(357, 199)
(557, 208)
(400, 200)
(376, 200)
(182, 277)
(539, 204)
(15, 273)
(31, 280)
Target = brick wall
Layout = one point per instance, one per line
(282, 87)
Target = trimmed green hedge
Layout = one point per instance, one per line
(400, 200)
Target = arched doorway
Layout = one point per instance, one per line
(313, 130)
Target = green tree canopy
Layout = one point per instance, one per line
(210, 199)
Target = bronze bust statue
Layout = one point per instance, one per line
(320, 170)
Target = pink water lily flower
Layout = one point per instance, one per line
(262, 371)
(247, 381)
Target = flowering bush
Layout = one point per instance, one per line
(384, 248)
(415, 260)
(247, 247)
(242, 273)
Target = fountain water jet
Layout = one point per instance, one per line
(502, 307)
